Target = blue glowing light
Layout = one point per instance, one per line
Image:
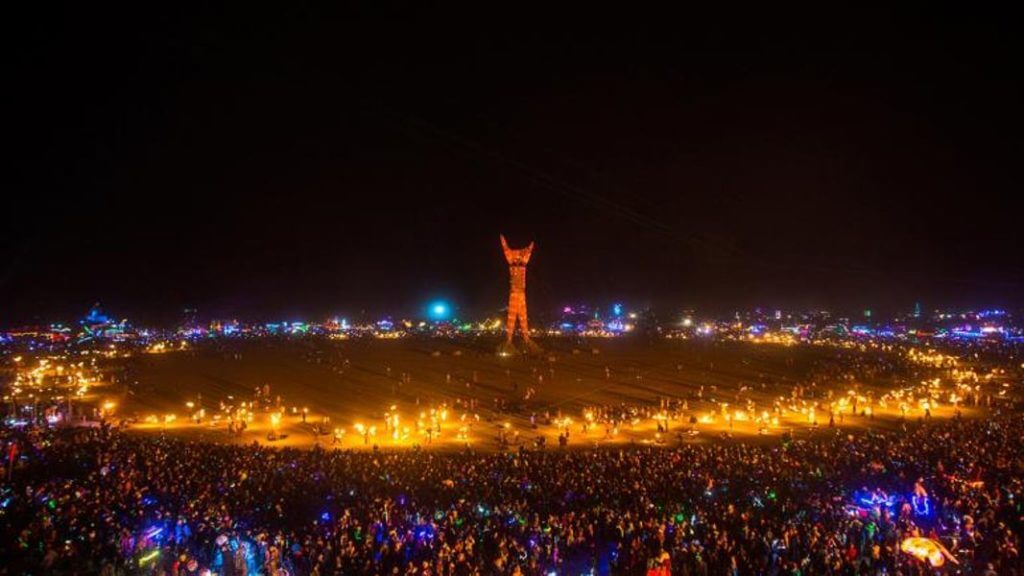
(617, 309)
(921, 505)
(439, 310)
(96, 316)
(876, 499)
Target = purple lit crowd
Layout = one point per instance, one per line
(102, 501)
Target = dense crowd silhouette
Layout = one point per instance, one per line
(103, 501)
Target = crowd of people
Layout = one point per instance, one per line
(100, 500)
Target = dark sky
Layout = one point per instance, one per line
(266, 165)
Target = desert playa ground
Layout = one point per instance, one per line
(449, 394)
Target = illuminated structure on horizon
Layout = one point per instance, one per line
(517, 261)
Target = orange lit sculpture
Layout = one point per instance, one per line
(517, 261)
(927, 550)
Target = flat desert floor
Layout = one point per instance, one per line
(351, 385)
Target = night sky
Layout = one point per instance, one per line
(263, 165)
